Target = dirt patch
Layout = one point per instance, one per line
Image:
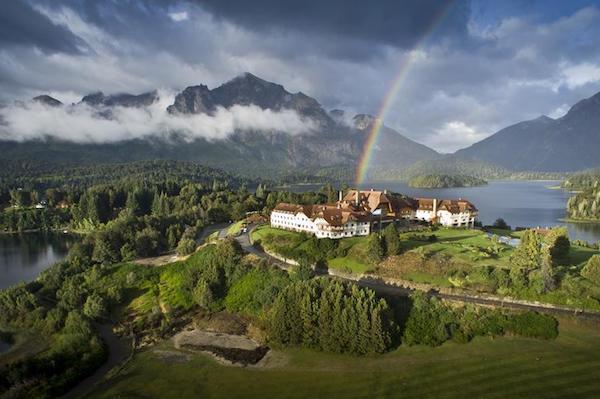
(172, 356)
(222, 322)
(418, 261)
(160, 260)
(232, 349)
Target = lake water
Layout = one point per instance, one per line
(519, 203)
(24, 256)
(4, 347)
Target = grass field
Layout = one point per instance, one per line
(509, 367)
(277, 239)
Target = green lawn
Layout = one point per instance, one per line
(278, 239)
(509, 367)
(349, 264)
(235, 228)
(417, 277)
(471, 246)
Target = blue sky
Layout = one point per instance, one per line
(489, 64)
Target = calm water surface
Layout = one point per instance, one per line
(519, 203)
(4, 347)
(24, 256)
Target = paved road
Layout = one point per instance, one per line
(208, 230)
(387, 289)
(118, 348)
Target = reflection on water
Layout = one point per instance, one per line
(4, 346)
(519, 203)
(24, 256)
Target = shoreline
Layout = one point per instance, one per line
(580, 221)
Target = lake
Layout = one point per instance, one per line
(24, 256)
(520, 203)
(4, 346)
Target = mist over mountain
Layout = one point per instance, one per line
(568, 143)
(246, 123)
(249, 123)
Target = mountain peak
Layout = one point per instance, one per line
(249, 77)
(590, 105)
(47, 100)
(121, 100)
(363, 121)
(544, 118)
(248, 84)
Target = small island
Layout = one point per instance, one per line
(445, 181)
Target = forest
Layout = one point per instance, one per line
(445, 181)
(125, 219)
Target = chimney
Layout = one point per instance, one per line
(385, 191)
(434, 207)
(340, 196)
(357, 195)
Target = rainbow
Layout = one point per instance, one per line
(388, 100)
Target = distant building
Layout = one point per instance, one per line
(451, 213)
(359, 211)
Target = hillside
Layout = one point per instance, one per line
(569, 143)
(331, 142)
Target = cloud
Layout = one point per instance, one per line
(179, 16)
(455, 135)
(83, 124)
(581, 74)
(487, 72)
(397, 23)
(22, 25)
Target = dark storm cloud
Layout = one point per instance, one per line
(397, 23)
(481, 68)
(22, 25)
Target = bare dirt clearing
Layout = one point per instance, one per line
(226, 348)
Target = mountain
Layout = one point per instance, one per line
(121, 100)
(47, 100)
(568, 143)
(334, 141)
(248, 89)
(392, 149)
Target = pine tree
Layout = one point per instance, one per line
(392, 240)
(260, 191)
(375, 250)
(160, 205)
(547, 269)
(591, 270)
(528, 254)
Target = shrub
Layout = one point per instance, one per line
(428, 321)
(501, 224)
(186, 246)
(255, 290)
(94, 307)
(532, 324)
